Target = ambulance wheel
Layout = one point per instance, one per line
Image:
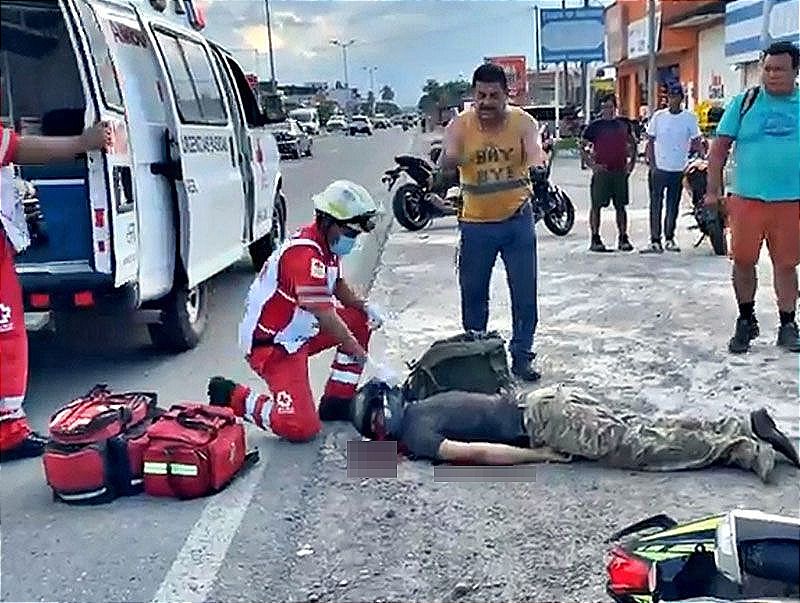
(261, 249)
(185, 315)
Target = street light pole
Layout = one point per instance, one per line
(652, 76)
(344, 46)
(269, 43)
(371, 71)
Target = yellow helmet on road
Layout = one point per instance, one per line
(347, 203)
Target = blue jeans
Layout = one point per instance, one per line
(515, 241)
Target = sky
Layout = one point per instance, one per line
(409, 41)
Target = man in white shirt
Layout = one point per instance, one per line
(671, 134)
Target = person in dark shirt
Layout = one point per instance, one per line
(555, 424)
(612, 158)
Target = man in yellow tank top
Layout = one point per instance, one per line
(493, 145)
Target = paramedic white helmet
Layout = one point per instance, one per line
(348, 203)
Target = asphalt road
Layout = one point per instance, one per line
(238, 545)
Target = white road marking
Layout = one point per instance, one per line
(194, 571)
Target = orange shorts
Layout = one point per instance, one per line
(753, 222)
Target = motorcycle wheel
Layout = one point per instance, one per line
(408, 208)
(560, 220)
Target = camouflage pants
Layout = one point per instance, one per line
(572, 422)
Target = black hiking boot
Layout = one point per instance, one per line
(788, 337)
(220, 390)
(765, 429)
(746, 331)
(334, 409)
(598, 245)
(522, 368)
(32, 446)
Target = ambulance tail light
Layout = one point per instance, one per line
(84, 299)
(40, 301)
(626, 573)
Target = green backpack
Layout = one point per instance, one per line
(472, 362)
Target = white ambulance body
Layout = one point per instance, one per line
(193, 180)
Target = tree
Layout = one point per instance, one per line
(438, 96)
(387, 94)
(388, 109)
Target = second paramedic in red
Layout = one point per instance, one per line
(299, 305)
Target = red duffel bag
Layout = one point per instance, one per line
(193, 450)
(96, 446)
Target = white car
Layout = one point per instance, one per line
(361, 124)
(337, 123)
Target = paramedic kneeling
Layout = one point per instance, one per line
(298, 306)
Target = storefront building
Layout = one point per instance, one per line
(679, 24)
(750, 27)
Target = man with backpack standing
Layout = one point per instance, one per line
(671, 133)
(764, 203)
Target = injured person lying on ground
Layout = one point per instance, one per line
(556, 424)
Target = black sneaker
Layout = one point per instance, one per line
(654, 247)
(522, 367)
(220, 390)
(788, 337)
(765, 429)
(598, 245)
(746, 331)
(32, 446)
(625, 244)
(334, 409)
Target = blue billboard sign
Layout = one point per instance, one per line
(572, 34)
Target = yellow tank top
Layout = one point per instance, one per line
(494, 172)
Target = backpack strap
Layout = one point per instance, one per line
(748, 101)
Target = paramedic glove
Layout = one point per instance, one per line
(374, 316)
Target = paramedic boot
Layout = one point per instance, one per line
(765, 429)
(334, 409)
(522, 367)
(32, 446)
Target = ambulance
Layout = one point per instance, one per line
(191, 185)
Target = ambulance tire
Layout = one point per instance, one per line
(261, 249)
(184, 318)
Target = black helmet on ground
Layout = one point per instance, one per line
(377, 410)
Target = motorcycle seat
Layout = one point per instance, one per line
(409, 161)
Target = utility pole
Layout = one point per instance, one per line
(272, 83)
(371, 71)
(652, 76)
(587, 90)
(344, 46)
(566, 64)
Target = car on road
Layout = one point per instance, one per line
(337, 123)
(292, 140)
(382, 123)
(361, 124)
(308, 119)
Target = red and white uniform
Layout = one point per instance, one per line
(13, 337)
(278, 334)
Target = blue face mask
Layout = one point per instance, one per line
(343, 245)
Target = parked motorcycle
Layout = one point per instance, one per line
(710, 221)
(415, 204)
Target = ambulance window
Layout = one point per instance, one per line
(101, 55)
(197, 92)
